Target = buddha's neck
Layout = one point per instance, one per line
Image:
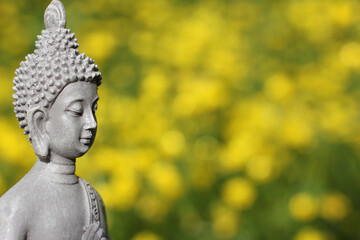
(61, 170)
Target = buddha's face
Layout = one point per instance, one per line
(71, 124)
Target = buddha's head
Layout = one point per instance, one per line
(56, 91)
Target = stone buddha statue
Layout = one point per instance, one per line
(55, 103)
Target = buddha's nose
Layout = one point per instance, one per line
(90, 121)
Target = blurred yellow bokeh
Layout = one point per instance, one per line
(239, 193)
(232, 119)
(309, 234)
(303, 207)
(146, 236)
(225, 222)
(335, 207)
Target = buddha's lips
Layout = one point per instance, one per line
(85, 140)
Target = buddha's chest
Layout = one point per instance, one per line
(62, 214)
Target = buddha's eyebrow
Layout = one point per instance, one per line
(73, 102)
(76, 100)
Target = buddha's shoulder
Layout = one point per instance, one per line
(21, 197)
(88, 187)
(17, 206)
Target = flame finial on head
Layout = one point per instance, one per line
(55, 15)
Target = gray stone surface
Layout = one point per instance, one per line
(55, 103)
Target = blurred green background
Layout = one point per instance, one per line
(218, 119)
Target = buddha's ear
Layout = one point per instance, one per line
(36, 118)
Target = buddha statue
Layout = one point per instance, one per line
(55, 103)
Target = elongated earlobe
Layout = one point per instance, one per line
(36, 118)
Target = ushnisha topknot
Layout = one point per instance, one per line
(55, 63)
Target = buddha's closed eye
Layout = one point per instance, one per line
(75, 109)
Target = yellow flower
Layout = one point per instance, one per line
(145, 235)
(303, 14)
(238, 151)
(279, 87)
(350, 54)
(145, 12)
(146, 159)
(343, 13)
(310, 234)
(15, 149)
(225, 222)
(238, 193)
(339, 118)
(260, 169)
(172, 143)
(335, 207)
(155, 85)
(199, 95)
(99, 45)
(303, 207)
(262, 120)
(166, 179)
(184, 46)
(222, 62)
(125, 190)
(122, 191)
(296, 130)
(151, 208)
(104, 160)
